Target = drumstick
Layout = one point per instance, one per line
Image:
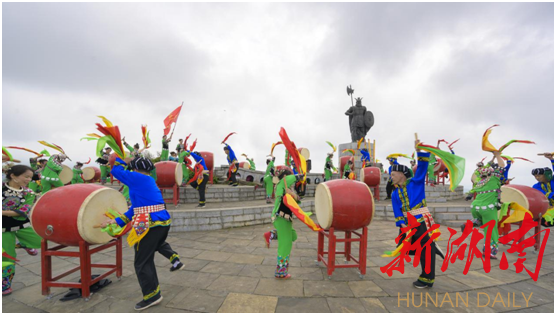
(416, 136)
(544, 153)
(97, 226)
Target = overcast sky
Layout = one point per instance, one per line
(445, 71)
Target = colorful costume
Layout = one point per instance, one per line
(547, 190)
(200, 183)
(328, 166)
(104, 167)
(389, 185)
(487, 202)
(165, 150)
(184, 162)
(268, 176)
(430, 170)
(19, 200)
(410, 198)
(365, 158)
(234, 165)
(251, 164)
(286, 235)
(50, 174)
(77, 173)
(151, 224)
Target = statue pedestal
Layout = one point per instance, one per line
(357, 158)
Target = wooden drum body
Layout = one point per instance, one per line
(527, 197)
(244, 165)
(343, 161)
(440, 167)
(209, 159)
(91, 174)
(345, 205)
(168, 174)
(112, 159)
(370, 176)
(66, 215)
(66, 174)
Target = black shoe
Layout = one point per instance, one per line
(143, 305)
(421, 285)
(235, 185)
(180, 266)
(201, 205)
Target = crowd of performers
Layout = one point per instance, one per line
(150, 221)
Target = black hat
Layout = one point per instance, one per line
(537, 171)
(402, 168)
(142, 164)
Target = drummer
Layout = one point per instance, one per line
(269, 174)
(329, 165)
(165, 147)
(409, 197)
(51, 173)
(545, 184)
(487, 200)
(200, 183)
(146, 199)
(389, 187)
(234, 164)
(282, 221)
(103, 164)
(17, 201)
(348, 169)
(77, 173)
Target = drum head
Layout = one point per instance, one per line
(474, 178)
(179, 174)
(439, 166)
(88, 173)
(66, 174)
(92, 211)
(362, 175)
(511, 194)
(305, 152)
(275, 180)
(323, 206)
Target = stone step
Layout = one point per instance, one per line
(441, 217)
(454, 223)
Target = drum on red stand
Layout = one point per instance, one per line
(66, 174)
(440, 167)
(244, 165)
(343, 161)
(370, 176)
(168, 173)
(91, 174)
(345, 205)
(67, 215)
(527, 197)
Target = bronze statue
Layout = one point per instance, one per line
(360, 119)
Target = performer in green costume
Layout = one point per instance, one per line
(430, 170)
(35, 184)
(282, 221)
(251, 164)
(184, 160)
(165, 148)
(104, 166)
(487, 201)
(328, 166)
(17, 201)
(77, 173)
(268, 176)
(51, 173)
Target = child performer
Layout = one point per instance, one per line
(17, 200)
(409, 197)
(327, 166)
(151, 222)
(545, 184)
(165, 148)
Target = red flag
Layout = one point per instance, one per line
(172, 118)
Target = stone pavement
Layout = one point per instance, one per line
(230, 271)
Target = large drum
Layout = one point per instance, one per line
(345, 205)
(209, 159)
(244, 165)
(66, 174)
(527, 197)
(370, 176)
(305, 152)
(440, 167)
(278, 168)
(168, 173)
(67, 215)
(91, 174)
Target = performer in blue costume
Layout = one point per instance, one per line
(151, 222)
(200, 183)
(545, 184)
(409, 197)
(234, 164)
(365, 158)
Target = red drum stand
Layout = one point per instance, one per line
(84, 254)
(175, 191)
(330, 261)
